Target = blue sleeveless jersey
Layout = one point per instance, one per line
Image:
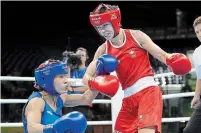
(77, 74)
(49, 116)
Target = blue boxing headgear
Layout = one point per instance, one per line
(46, 72)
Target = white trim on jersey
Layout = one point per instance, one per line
(122, 43)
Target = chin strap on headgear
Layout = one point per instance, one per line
(46, 72)
(110, 14)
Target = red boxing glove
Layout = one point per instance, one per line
(106, 84)
(179, 63)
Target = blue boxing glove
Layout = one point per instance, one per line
(74, 122)
(106, 64)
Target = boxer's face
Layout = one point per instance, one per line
(106, 30)
(83, 55)
(61, 83)
(197, 29)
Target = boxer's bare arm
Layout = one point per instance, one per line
(89, 95)
(79, 99)
(78, 89)
(33, 114)
(91, 69)
(150, 46)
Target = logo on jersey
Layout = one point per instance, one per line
(140, 117)
(132, 53)
(49, 112)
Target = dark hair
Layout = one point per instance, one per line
(36, 86)
(101, 8)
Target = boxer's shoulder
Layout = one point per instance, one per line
(100, 51)
(103, 46)
(35, 103)
(136, 32)
(139, 35)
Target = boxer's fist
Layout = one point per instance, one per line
(106, 84)
(179, 63)
(74, 122)
(106, 64)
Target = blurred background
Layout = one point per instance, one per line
(32, 32)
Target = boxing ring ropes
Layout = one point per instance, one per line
(115, 101)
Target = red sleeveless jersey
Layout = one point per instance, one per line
(134, 60)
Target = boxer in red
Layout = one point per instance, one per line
(141, 110)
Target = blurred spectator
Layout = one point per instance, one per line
(78, 74)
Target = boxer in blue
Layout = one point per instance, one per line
(43, 111)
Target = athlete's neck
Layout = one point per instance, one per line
(119, 39)
(82, 66)
(51, 100)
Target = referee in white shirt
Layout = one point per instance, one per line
(194, 124)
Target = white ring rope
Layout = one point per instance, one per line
(10, 101)
(169, 74)
(13, 78)
(75, 81)
(168, 96)
(178, 95)
(164, 120)
(88, 123)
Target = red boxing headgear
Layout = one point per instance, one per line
(111, 14)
